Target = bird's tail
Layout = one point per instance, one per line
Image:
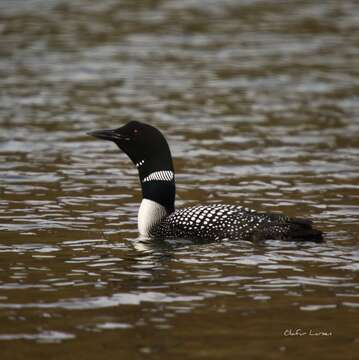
(302, 230)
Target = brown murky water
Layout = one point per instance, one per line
(259, 101)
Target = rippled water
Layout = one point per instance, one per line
(259, 102)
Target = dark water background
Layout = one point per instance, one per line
(260, 103)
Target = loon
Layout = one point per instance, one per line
(157, 218)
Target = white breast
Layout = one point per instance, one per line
(149, 214)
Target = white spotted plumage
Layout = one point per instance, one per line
(210, 221)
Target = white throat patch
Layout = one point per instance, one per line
(140, 163)
(149, 214)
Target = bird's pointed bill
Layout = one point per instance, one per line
(108, 134)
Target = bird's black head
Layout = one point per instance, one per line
(148, 149)
(141, 142)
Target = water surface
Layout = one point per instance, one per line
(259, 102)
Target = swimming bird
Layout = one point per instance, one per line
(148, 149)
